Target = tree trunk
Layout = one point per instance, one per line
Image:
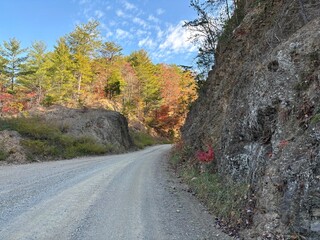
(79, 86)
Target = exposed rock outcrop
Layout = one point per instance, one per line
(261, 110)
(11, 147)
(107, 127)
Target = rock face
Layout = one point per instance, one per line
(11, 147)
(260, 108)
(107, 127)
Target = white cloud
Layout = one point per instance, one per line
(153, 19)
(140, 32)
(108, 34)
(86, 12)
(178, 40)
(112, 23)
(147, 42)
(129, 6)
(140, 22)
(120, 13)
(160, 11)
(84, 2)
(160, 32)
(98, 14)
(106, 31)
(122, 34)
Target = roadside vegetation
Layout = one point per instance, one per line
(47, 141)
(84, 71)
(3, 155)
(43, 140)
(143, 139)
(226, 199)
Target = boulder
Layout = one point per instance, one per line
(106, 127)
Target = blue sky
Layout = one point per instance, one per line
(153, 25)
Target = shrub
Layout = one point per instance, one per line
(141, 139)
(179, 153)
(205, 156)
(46, 140)
(39, 148)
(31, 127)
(3, 155)
(227, 199)
(315, 119)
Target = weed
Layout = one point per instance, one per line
(179, 154)
(141, 139)
(226, 198)
(315, 119)
(206, 156)
(46, 140)
(3, 155)
(31, 127)
(39, 148)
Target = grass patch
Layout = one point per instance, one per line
(36, 148)
(315, 119)
(31, 127)
(44, 140)
(3, 155)
(86, 146)
(142, 140)
(225, 198)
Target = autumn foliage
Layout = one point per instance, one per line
(206, 156)
(83, 71)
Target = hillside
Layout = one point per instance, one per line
(260, 111)
(84, 71)
(63, 133)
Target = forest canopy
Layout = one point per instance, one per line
(83, 70)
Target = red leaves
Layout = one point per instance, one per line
(206, 157)
(6, 96)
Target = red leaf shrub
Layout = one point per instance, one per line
(205, 157)
(6, 97)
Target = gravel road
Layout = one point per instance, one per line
(126, 197)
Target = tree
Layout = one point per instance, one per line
(84, 42)
(131, 94)
(207, 28)
(178, 90)
(110, 50)
(107, 69)
(37, 68)
(14, 57)
(114, 84)
(61, 72)
(146, 73)
(188, 92)
(3, 81)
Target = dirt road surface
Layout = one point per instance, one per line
(123, 197)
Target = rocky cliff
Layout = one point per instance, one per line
(59, 132)
(106, 127)
(260, 107)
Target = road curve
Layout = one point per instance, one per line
(126, 197)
